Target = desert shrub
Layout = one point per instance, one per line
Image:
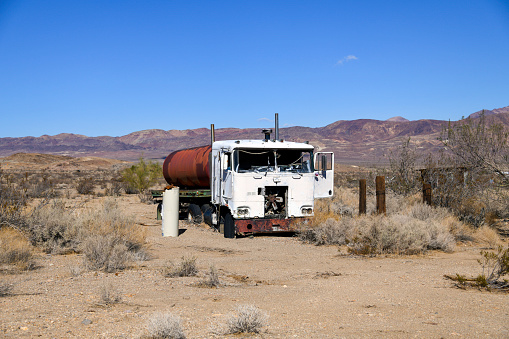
(115, 188)
(146, 197)
(165, 325)
(108, 295)
(403, 176)
(186, 268)
(487, 236)
(85, 185)
(472, 177)
(425, 212)
(5, 289)
(105, 253)
(12, 203)
(459, 230)
(212, 279)
(141, 175)
(110, 220)
(494, 266)
(330, 232)
(247, 319)
(54, 228)
(397, 233)
(341, 203)
(108, 238)
(15, 249)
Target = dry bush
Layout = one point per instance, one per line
(109, 295)
(85, 186)
(54, 228)
(186, 268)
(108, 238)
(329, 232)
(487, 236)
(212, 279)
(110, 220)
(420, 228)
(105, 253)
(460, 230)
(5, 289)
(165, 325)
(342, 203)
(247, 319)
(15, 249)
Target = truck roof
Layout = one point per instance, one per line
(268, 144)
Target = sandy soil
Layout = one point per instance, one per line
(308, 291)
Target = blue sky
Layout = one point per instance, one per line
(115, 67)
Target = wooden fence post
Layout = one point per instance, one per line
(426, 193)
(362, 196)
(380, 195)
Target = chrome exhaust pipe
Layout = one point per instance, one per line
(276, 134)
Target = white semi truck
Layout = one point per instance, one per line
(250, 186)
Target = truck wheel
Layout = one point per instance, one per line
(229, 226)
(194, 214)
(205, 208)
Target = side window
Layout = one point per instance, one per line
(323, 162)
(226, 164)
(225, 161)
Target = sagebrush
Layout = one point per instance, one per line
(165, 325)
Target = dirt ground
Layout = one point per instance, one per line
(308, 291)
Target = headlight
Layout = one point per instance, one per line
(306, 210)
(243, 212)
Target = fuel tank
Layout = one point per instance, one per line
(188, 167)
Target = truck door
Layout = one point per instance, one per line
(324, 174)
(215, 175)
(226, 177)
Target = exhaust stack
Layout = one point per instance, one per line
(212, 134)
(276, 135)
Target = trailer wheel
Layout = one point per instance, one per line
(194, 214)
(229, 226)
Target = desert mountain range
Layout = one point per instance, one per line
(362, 141)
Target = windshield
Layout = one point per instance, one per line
(264, 160)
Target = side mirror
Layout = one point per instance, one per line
(324, 163)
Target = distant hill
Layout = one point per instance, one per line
(362, 141)
(20, 161)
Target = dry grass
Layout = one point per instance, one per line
(53, 227)
(186, 268)
(15, 249)
(211, 280)
(109, 295)
(165, 325)
(110, 220)
(106, 253)
(409, 227)
(109, 239)
(488, 237)
(247, 319)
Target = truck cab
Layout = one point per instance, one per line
(267, 185)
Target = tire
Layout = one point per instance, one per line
(205, 208)
(229, 226)
(194, 214)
